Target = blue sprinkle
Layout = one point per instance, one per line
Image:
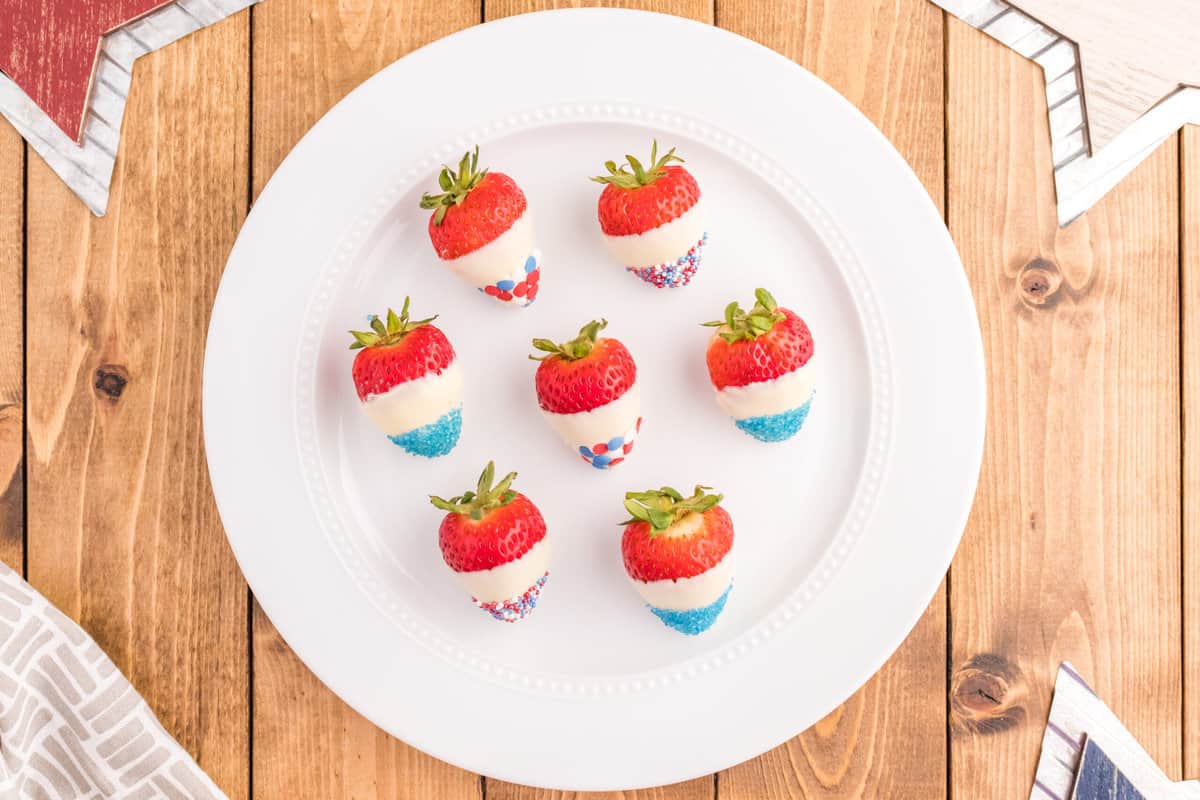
(616, 442)
(530, 264)
(435, 439)
(601, 461)
(776, 427)
(585, 451)
(695, 621)
(506, 285)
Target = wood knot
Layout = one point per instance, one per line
(1040, 281)
(110, 382)
(986, 695)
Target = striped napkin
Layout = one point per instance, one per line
(71, 725)
(1087, 753)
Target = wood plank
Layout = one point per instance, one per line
(123, 532)
(12, 348)
(1189, 272)
(1073, 548)
(703, 10)
(889, 739)
(308, 54)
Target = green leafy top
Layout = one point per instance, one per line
(663, 507)
(748, 325)
(576, 348)
(455, 185)
(485, 497)
(620, 176)
(383, 334)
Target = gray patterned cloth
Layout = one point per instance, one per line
(71, 725)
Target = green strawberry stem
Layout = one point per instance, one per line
(455, 185)
(662, 508)
(485, 498)
(640, 176)
(391, 332)
(576, 348)
(748, 325)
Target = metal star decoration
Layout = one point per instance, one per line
(65, 70)
(1120, 79)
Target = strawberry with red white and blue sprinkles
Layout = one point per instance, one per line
(588, 391)
(520, 288)
(407, 377)
(482, 230)
(676, 552)
(494, 539)
(760, 363)
(652, 218)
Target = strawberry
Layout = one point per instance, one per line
(587, 390)
(494, 539)
(651, 218)
(676, 552)
(481, 231)
(407, 378)
(758, 364)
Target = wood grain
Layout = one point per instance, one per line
(12, 348)
(123, 534)
(889, 739)
(1073, 548)
(308, 54)
(1189, 273)
(702, 10)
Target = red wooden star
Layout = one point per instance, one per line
(50, 47)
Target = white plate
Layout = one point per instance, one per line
(842, 533)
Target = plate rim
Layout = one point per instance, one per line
(218, 377)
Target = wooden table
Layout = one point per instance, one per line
(1083, 543)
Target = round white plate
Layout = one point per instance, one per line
(843, 533)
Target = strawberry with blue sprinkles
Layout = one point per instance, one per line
(494, 539)
(588, 392)
(409, 382)
(676, 552)
(652, 218)
(760, 364)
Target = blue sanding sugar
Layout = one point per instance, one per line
(435, 439)
(698, 620)
(776, 427)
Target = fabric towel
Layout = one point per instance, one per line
(71, 725)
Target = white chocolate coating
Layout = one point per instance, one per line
(586, 428)
(409, 405)
(685, 594)
(769, 397)
(509, 580)
(662, 245)
(500, 258)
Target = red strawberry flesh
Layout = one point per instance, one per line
(783, 349)
(422, 350)
(503, 535)
(570, 386)
(667, 557)
(488, 211)
(623, 212)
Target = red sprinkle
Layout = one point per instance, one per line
(520, 289)
(600, 449)
(505, 295)
(491, 291)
